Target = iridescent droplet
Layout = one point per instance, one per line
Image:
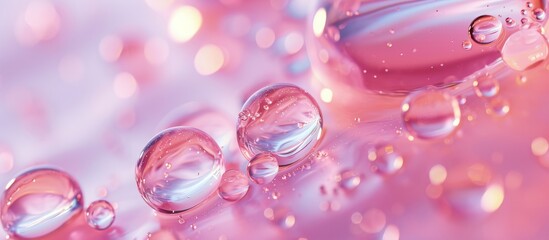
(38, 202)
(498, 106)
(431, 114)
(523, 49)
(385, 160)
(263, 168)
(539, 14)
(467, 45)
(348, 179)
(234, 185)
(100, 215)
(485, 29)
(289, 129)
(486, 86)
(196, 168)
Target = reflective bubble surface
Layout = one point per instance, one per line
(179, 168)
(38, 202)
(234, 185)
(281, 119)
(263, 168)
(100, 214)
(431, 114)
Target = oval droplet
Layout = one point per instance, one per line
(178, 169)
(485, 29)
(524, 49)
(263, 168)
(289, 128)
(234, 185)
(38, 202)
(100, 214)
(349, 180)
(498, 106)
(431, 114)
(486, 86)
(385, 160)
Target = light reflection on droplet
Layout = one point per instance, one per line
(437, 174)
(100, 214)
(326, 95)
(524, 48)
(319, 22)
(385, 160)
(492, 198)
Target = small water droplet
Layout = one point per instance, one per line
(539, 14)
(431, 114)
(467, 45)
(486, 86)
(498, 106)
(263, 168)
(385, 160)
(100, 215)
(348, 180)
(510, 22)
(485, 29)
(234, 185)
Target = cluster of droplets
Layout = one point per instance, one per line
(40, 201)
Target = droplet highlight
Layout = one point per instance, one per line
(100, 215)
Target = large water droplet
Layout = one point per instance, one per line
(524, 49)
(100, 215)
(263, 168)
(485, 29)
(234, 185)
(431, 114)
(385, 160)
(38, 202)
(423, 34)
(289, 128)
(196, 165)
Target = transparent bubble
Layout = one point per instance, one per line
(510, 22)
(486, 86)
(524, 49)
(178, 169)
(289, 128)
(485, 29)
(38, 202)
(539, 14)
(431, 114)
(422, 34)
(470, 191)
(348, 180)
(498, 106)
(385, 160)
(467, 45)
(263, 168)
(100, 215)
(234, 185)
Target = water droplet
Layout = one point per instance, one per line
(523, 49)
(38, 202)
(430, 114)
(100, 215)
(263, 168)
(197, 165)
(529, 5)
(385, 160)
(510, 22)
(539, 14)
(485, 29)
(281, 216)
(181, 219)
(193, 226)
(279, 132)
(234, 185)
(486, 86)
(467, 45)
(348, 180)
(498, 106)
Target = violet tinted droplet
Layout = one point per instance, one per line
(348, 180)
(430, 114)
(539, 14)
(195, 167)
(385, 160)
(485, 29)
(38, 202)
(100, 215)
(486, 86)
(263, 168)
(290, 128)
(234, 185)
